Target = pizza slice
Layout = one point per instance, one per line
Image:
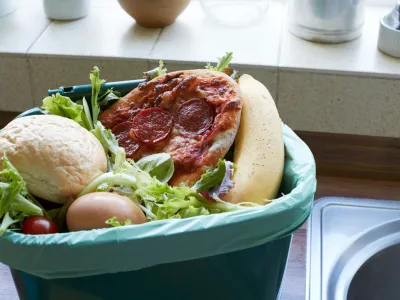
(193, 115)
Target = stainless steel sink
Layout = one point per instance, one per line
(378, 277)
(353, 250)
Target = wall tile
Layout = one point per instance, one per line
(340, 104)
(15, 90)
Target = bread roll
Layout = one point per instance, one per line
(56, 156)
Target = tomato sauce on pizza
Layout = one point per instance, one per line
(192, 115)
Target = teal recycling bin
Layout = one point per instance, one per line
(239, 255)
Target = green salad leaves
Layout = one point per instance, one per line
(211, 178)
(64, 107)
(140, 181)
(108, 98)
(96, 85)
(223, 63)
(159, 165)
(160, 70)
(115, 223)
(15, 201)
(223, 66)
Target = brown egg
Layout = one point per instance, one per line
(92, 210)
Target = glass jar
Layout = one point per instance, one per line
(326, 21)
(236, 12)
(66, 9)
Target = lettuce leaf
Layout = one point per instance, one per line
(8, 221)
(115, 223)
(15, 203)
(115, 154)
(109, 97)
(223, 66)
(159, 165)
(96, 85)
(65, 107)
(223, 62)
(160, 70)
(211, 178)
(216, 182)
(226, 184)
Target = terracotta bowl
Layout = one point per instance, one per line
(154, 13)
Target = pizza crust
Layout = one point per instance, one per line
(192, 155)
(222, 143)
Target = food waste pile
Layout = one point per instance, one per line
(182, 144)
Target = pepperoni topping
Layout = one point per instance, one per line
(194, 117)
(122, 132)
(152, 125)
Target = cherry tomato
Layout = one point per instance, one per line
(39, 225)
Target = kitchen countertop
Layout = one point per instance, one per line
(108, 32)
(349, 88)
(293, 287)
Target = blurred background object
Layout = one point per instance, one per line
(389, 32)
(326, 21)
(154, 13)
(66, 9)
(236, 12)
(7, 6)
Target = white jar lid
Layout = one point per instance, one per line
(389, 33)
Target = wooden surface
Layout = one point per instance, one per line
(347, 166)
(6, 117)
(354, 156)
